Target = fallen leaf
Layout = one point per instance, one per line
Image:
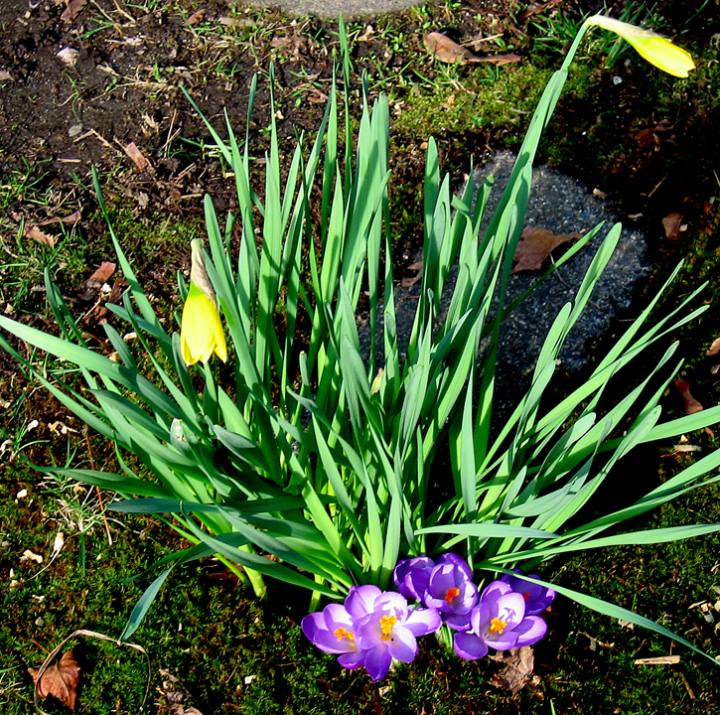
(196, 17)
(60, 680)
(5, 76)
(31, 556)
(68, 56)
(72, 218)
(407, 282)
(136, 155)
(662, 660)
(714, 349)
(518, 667)
(535, 8)
(536, 245)
(671, 224)
(89, 288)
(35, 233)
(72, 10)
(447, 50)
(691, 404)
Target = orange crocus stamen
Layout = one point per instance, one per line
(451, 594)
(341, 633)
(386, 625)
(497, 626)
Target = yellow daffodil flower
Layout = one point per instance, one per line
(201, 332)
(652, 47)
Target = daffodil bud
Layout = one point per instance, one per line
(201, 332)
(650, 46)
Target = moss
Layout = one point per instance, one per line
(486, 98)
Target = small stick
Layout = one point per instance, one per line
(99, 493)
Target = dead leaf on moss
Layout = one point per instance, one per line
(691, 404)
(136, 155)
(68, 56)
(661, 660)
(196, 17)
(31, 556)
(36, 234)
(714, 349)
(73, 218)
(446, 50)
(535, 8)
(536, 245)
(671, 224)
(72, 10)
(60, 680)
(518, 667)
(88, 289)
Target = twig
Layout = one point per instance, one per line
(99, 493)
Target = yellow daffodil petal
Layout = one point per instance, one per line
(650, 46)
(201, 331)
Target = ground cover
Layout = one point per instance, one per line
(649, 147)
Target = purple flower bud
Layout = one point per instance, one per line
(498, 622)
(411, 576)
(537, 597)
(452, 592)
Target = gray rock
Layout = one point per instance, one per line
(335, 8)
(562, 205)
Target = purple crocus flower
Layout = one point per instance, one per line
(451, 591)
(411, 577)
(389, 629)
(332, 630)
(537, 597)
(498, 622)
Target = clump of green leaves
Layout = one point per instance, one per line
(320, 453)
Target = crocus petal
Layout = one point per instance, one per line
(403, 646)
(361, 600)
(377, 663)
(458, 621)
(469, 646)
(530, 631)
(650, 46)
(411, 577)
(457, 561)
(423, 621)
(393, 604)
(352, 660)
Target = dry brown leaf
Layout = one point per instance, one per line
(5, 76)
(536, 8)
(136, 155)
(714, 349)
(661, 660)
(691, 404)
(89, 288)
(671, 224)
(60, 680)
(536, 245)
(72, 10)
(196, 17)
(31, 556)
(518, 667)
(447, 50)
(35, 233)
(407, 282)
(72, 218)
